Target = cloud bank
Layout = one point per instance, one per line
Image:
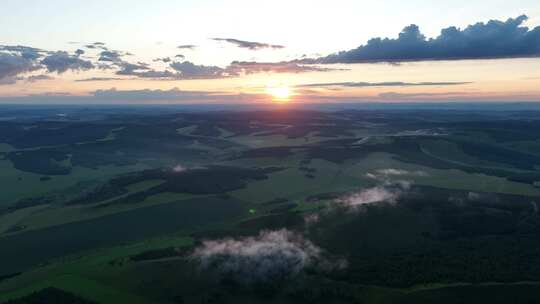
(494, 39)
(268, 257)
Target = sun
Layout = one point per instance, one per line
(279, 93)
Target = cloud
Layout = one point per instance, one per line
(389, 190)
(62, 61)
(400, 172)
(187, 47)
(96, 45)
(110, 56)
(369, 196)
(252, 67)
(179, 168)
(380, 84)
(268, 257)
(98, 79)
(164, 59)
(134, 69)
(494, 39)
(9, 80)
(249, 44)
(189, 70)
(35, 78)
(180, 70)
(13, 64)
(25, 52)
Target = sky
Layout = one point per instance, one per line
(236, 51)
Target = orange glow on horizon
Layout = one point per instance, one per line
(280, 94)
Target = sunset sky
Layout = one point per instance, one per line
(206, 51)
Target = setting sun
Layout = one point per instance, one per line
(279, 94)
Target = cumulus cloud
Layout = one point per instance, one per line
(249, 44)
(23, 51)
(13, 64)
(62, 61)
(268, 257)
(110, 56)
(494, 39)
(380, 84)
(189, 70)
(133, 69)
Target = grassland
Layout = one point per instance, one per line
(457, 222)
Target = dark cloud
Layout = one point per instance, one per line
(79, 52)
(180, 56)
(17, 59)
(62, 61)
(249, 44)
(25, 52)
(187, 47)
(379, 84)
(494, 39)
(13, 64)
